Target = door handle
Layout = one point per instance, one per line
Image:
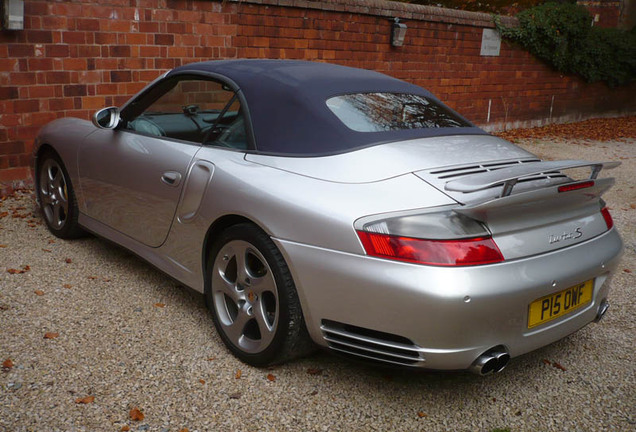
(171, 178)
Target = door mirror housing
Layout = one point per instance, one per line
(106, 118)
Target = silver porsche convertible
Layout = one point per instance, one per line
(321, 205)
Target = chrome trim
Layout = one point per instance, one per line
(373, 348)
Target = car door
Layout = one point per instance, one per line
(132, 177)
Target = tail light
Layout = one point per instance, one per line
(441, 239)
(608, 218)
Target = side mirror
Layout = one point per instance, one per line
(106, 118)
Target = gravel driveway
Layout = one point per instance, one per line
(93, 332)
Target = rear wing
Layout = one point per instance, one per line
(509, 176)
(561, 196)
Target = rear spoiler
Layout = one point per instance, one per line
(578, 192)
(509, 176)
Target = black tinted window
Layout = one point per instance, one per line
(380, 112)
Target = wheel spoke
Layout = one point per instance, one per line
(242, 275)
(266, 328)
(57, 180)
(235, 330)
(57, 215)
(46, 198)
(263, 284)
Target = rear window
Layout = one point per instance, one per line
(381, 112)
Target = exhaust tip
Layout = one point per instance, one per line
(492, 361)
(602, 310)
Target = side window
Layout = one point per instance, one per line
(189, 109)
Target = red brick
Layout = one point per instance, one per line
(57, 77)
(40, 64)
(39, 36)
(74, 37)
(164, 39)
(8, 93)
(103, 38)
(54, 22)
(120, 76)
(88, 51)
(87, 24)
(149, 27)
(75, 90)
(15, 147)
(21, 50)
(71, 64)
(119, 51)
(57, 50)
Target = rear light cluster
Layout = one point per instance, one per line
(608, 218)
(439, 239)
(461, 252)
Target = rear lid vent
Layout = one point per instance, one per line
(440, 176)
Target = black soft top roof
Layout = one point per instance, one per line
(286, 100)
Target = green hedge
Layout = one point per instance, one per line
(563, 35)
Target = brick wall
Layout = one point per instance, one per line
(75, 57)
(605, 13)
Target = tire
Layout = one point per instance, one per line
(57, 198)
(253, 300)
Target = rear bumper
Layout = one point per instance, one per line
(450, 315)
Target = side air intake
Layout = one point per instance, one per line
(371, 344)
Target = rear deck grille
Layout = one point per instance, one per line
(439, 178)
(371, 344)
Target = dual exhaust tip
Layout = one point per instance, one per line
(492, 361)
(496, 359)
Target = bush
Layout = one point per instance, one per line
(562, 35)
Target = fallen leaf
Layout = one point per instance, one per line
(211, 358)
(39, 292)
(67, 286)
(627, 270)
(106, 280)
(271, 377)
(124, 428)
(7, 364)
(25, 269)
(51, 335)
(4, 214)
(68, 260)
(420, 414)
(51, 241)
(314, 371)
(600, 129)
(558, 366)
(85, 400)
(548, 362)
(184, 430)
(46, 250)
(313, 393)
(238, 374)
(633, 206)
(136, 414)
(160, 305)
(3, 246)
(202, 381)
(234, 395)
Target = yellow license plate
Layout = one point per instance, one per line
(555, 305)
